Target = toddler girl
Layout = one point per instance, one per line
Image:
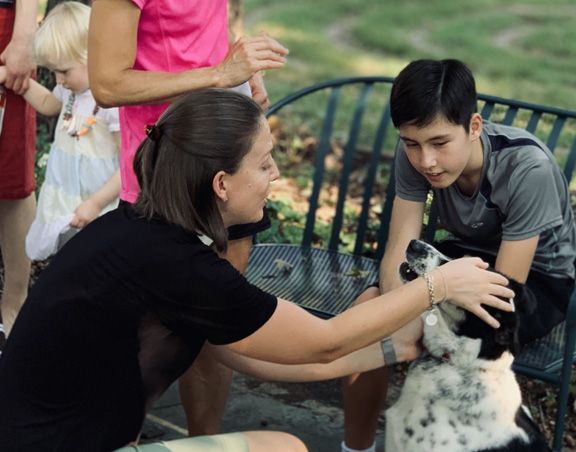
(82, 178)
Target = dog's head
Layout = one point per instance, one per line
(456, 324)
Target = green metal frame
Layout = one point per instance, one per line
(326, 281)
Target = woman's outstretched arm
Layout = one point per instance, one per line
(294, 336)
(406, 348)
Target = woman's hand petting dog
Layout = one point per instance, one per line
(468, 284)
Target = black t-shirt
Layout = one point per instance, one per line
(118, 315)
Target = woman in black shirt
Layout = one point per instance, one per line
(128, 303)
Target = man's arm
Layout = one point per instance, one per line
(405, 225)
(112, 52)
(18, 56)
(515, 258)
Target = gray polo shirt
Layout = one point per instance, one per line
(522, 193)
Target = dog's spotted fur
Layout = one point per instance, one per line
(461, 395)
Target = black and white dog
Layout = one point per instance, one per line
(462, 395)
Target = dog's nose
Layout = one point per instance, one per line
(415, 246)
(406, 273)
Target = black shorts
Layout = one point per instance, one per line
(552, 293)
(240, 231)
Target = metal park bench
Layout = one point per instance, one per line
(350, 201)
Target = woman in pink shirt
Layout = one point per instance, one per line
(142, 55)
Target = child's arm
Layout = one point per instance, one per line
(40, 98)
(533, 204)
(89, 209)
(515, 257)
(405, 225)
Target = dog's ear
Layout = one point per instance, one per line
(525, 305)
(495, 341)
(506, 336)
(525, 302)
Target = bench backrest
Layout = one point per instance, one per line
(345, 124)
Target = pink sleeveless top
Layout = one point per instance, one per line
(173, 36)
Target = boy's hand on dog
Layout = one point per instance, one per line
(468, 284)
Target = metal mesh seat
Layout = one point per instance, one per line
(324, 282)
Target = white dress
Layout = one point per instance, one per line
(76, 168)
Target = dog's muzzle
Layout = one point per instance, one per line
(406, 272)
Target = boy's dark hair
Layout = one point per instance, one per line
(427, 88)
(200, 134)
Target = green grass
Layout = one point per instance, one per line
(520, 49)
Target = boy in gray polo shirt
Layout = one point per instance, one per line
(501, 196)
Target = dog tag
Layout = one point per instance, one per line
(431, 318)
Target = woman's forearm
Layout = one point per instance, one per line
(362, 360)
(131, 87)
(313, 340)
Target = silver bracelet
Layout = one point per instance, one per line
(388, 352)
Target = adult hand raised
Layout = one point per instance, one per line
(18, 57)
(247, 56)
